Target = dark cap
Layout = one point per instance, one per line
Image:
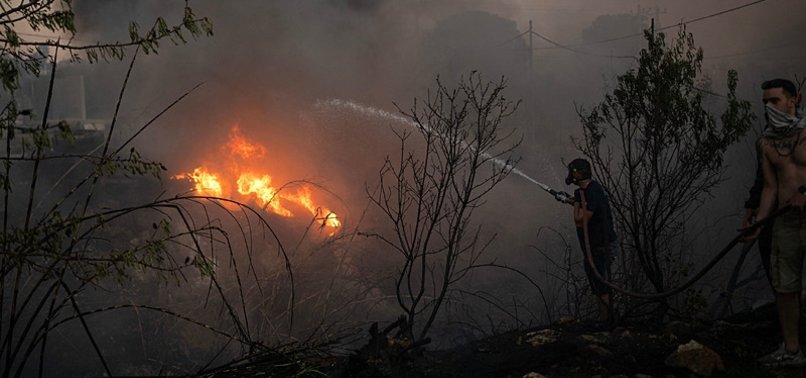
(578, 165)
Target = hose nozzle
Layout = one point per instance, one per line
(562, 196)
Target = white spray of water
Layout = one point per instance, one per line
(375, 112)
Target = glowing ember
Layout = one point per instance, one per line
(237, 166)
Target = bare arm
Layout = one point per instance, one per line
(581, 213)
(577, 214)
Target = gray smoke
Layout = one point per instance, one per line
(270, 62)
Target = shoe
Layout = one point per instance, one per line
(783, 358)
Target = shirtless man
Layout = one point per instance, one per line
(783, 160)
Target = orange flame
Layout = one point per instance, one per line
(328, 218)
(206, 183)
(238, 145)
(266, 194)
(253, 186)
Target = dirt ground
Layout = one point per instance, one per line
(569, 350)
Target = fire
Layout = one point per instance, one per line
(206, 183)
(328, 217)
(237, 169)
(260, 186)
(239, 146)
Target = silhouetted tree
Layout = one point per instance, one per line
(430, 191)
(659, 151)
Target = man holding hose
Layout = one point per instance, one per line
(783, 163)
(592, 214)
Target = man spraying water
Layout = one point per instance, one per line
(594, 222)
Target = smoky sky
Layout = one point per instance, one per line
(269, 63)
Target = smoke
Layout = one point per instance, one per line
(271, 62)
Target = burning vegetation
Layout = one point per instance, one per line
(238, 172)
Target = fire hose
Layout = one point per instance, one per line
(558, 195)
(721, 254)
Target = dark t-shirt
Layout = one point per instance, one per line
(600, 225)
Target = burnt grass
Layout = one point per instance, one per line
(575, 349)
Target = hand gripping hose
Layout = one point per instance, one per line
(722, 253)
(558, 195)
